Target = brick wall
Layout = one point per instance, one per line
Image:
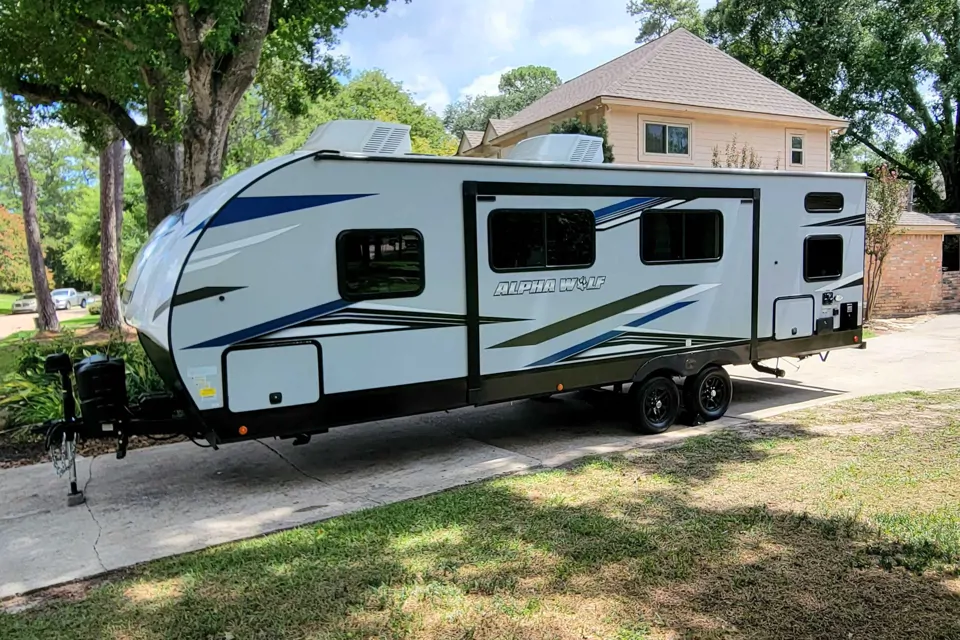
(913, 281)
(950, 288)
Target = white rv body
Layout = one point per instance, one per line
(240, 301)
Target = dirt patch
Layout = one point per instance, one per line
(22, 454)
(881, 326)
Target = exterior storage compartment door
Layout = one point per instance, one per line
(272, 376)
(792, 317)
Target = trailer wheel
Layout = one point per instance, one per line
(655, 403)
(708, 393)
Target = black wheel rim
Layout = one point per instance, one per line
(657, 405)
(713, 393)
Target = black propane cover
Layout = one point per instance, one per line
(102, 389)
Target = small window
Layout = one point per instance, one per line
(822, 258)
(951, 253)
(680, 236)
(380, 263)
(531, 239)
(823, 202)
(667, 139)
(796, 149)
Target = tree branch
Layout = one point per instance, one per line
(187, 32)
(880, 152)
(238, 73)
(104, 29)
(112, 110)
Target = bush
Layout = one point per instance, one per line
(29, 396)
(94, 308)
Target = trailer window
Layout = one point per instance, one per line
(823, 202)
(380, 263)
(822, 258)
(532, 239)
(680, 236)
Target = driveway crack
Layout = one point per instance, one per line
(313, 477)
(86, 503)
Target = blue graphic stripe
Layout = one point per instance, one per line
(610, 335)
(273, 325)
(620, 207)
(244, 209)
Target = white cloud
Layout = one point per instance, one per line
(503, 22)
(431, 90)
(583, 41)
(486, 85)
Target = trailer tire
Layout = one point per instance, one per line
(655, 404)
(708, 393)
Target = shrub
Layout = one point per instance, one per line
(94, 308)
(29, 396)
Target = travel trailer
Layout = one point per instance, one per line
(353, 281)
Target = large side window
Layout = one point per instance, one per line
(822, 258)
(680, 236)
(380, 263)
(532, 239)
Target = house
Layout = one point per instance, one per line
(921, 273)
(673, 101)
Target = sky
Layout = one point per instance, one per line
(442, 50)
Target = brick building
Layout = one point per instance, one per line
(922, 271)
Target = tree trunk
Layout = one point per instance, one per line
(109, 265)
(159, 165)
(46, 311)
(118, 195)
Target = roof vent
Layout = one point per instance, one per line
(360, 136)
(560, 147)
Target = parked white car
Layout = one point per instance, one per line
(27, 303)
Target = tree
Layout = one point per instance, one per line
(83, 256)
(576, 125)
(519, 88)
(263, 131)
(109, 261)
(62, 167)
(168, 76)
(46, 312)
(889, 67)
(885, 197)
(660, 17)
(14, 262)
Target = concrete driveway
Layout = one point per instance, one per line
(176, 498)
(22, 321)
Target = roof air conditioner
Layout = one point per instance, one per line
(360, 136)
(560, 147)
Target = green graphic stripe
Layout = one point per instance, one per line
(586, 318)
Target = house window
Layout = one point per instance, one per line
(796, 149)
(951, 253)
(668, 139)
(380, 263)
(822, 258)
(533, 239)
(680, 236)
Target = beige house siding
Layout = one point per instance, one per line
(770, 139)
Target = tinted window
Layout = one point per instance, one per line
(951, 253)
(662, 138)
(822, 258)
(823, 202)
(680, 236)
(529, 239)
(381, 263)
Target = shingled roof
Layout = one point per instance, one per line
(678, 68)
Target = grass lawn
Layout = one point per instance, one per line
(6, 302)
(842, 522)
